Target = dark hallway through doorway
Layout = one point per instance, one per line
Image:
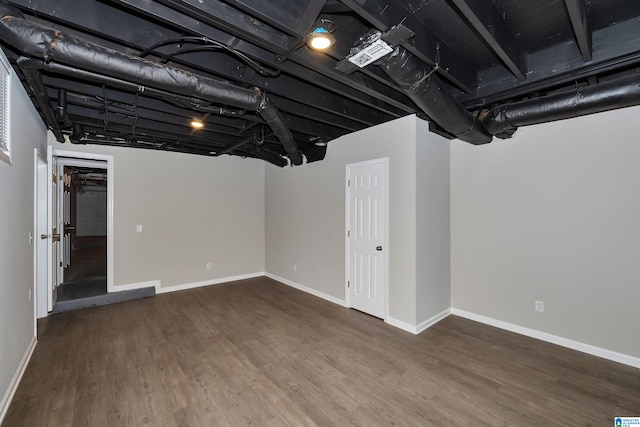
(85, 230)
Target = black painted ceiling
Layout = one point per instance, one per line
(487, 52)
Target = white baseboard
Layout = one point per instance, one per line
(175, 288)
(554, 339)
(13, 386)
(420, 327)
(163, 290)
(140, 285)
(308, 290)
(401, 325)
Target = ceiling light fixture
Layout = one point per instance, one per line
(197, 124)
(318, 141)
(320, 38)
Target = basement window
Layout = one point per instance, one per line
(5, 84)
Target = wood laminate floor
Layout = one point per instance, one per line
(256, 352)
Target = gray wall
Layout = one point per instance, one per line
(91, 213)
(305, 211)
(192, 209)
(305, 215)
(16, 221)
(433, 284)
(554, 215)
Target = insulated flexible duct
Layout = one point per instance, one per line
(504, 120)
(51, 45)
(426, 89)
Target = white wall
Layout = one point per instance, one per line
(553, 215)
(16, 254)
(192, 209)
(433, 284)
(305, 215)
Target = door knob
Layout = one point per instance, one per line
(378, 248)
(44, 236)
(56, 237)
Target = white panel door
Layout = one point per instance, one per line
(367, 260)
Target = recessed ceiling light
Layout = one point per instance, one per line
(320, 38)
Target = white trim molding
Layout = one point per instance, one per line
(308, 290)
(420, 327)
(408, 327)
(423, 326)
(139, 285)
(553, 339)
(80, 156)
(175, 288)
(17, 377)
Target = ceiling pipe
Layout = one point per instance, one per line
(53, 46)
(34, 80)
(622, 92)
(61, 109)
(31, 67)
(425, 88)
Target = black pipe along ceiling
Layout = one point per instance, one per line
(136, 73)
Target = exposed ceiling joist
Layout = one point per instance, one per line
(464, 63)
(322, 75)
(486, 20)
(579, 17)
(614, 48)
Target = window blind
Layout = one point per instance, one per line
(5, 77)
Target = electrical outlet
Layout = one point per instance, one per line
(295, 267)
(29, 294)
(139, 228)
(208, 266)
(539, 306)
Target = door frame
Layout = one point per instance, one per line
(80, 163)
(385, 254)
(80, 157)
(40, 247)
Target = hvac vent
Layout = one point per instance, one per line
(371, 53)
(5, 84)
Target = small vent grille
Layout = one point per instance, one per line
(371, 53)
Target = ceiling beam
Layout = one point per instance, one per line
(93, 125)
(427, 47)
(93, 92)
(137, 33)
(293, 18)
(144, 125)
(485, 19)
(323, 73)
(579, 17)
(614, 47)
(300, 64)
(233, 21)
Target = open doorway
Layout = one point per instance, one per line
(74, 207)
(84, 229)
